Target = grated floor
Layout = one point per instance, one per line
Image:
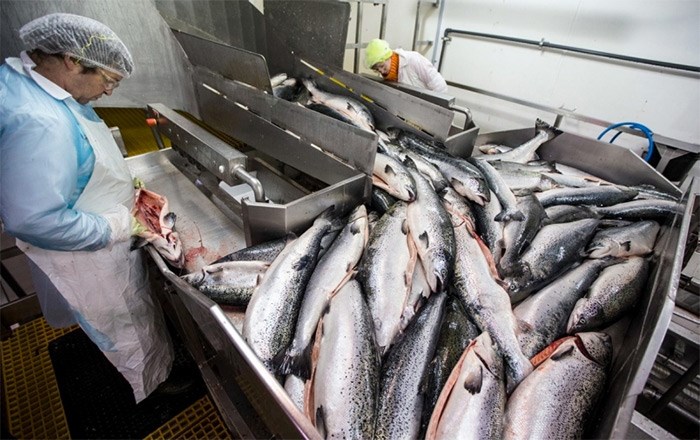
(33, 404)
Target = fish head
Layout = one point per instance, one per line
(518, 281)
(167, 222)
(583, 316)
(170, 248)
(599, 249)
(194, 278)
(596, 346)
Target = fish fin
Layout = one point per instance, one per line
(404, 227)
(558, 354)
(542, 125)
(299, 365)
(626, 245)
(303, 262)
(473, 380)
(410, 163)
(524, 326)
(321, 421)
(424, 239)
(389, 170)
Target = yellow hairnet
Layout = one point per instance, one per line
(85, 39)
(377, 51)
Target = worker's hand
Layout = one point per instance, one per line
(119, 222)
(138, 183)
(137, 228)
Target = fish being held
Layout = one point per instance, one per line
(151, 211)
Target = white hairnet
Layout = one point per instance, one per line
(85, 39)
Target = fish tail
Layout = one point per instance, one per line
(552, 131)
(298, 365)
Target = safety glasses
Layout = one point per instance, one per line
(109, 82)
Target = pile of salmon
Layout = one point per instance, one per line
(472, 298)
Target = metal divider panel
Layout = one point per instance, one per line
(231, 62)
(389, 106)
(238, 122)
(267, 222)
(310, 27)
(345, 142)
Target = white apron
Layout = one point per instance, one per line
(107, 290)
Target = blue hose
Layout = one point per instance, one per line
(637, 126)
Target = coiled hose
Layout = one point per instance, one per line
(644, 129)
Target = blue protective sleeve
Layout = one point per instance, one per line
(40, 147)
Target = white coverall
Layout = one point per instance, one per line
(64, 194)
(416, 70)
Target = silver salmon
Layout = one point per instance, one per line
(526, 152)
(488, 304)
(331, 271)
(351, 108)
(273, 309)
(636, 239)
(347, 372)
(385, 272)
(230, 283)
(614, 292)
(400, 395)
(557, 399)
(542, 317)
(431, 229)
(473, 401)
(554, 248)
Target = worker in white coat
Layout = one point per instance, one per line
(406, 67)
(66, 194)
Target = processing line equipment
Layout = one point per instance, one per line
(286, 165)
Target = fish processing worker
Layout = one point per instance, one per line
(66, 194)
(406, 67)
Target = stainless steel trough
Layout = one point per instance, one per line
(252, 401)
